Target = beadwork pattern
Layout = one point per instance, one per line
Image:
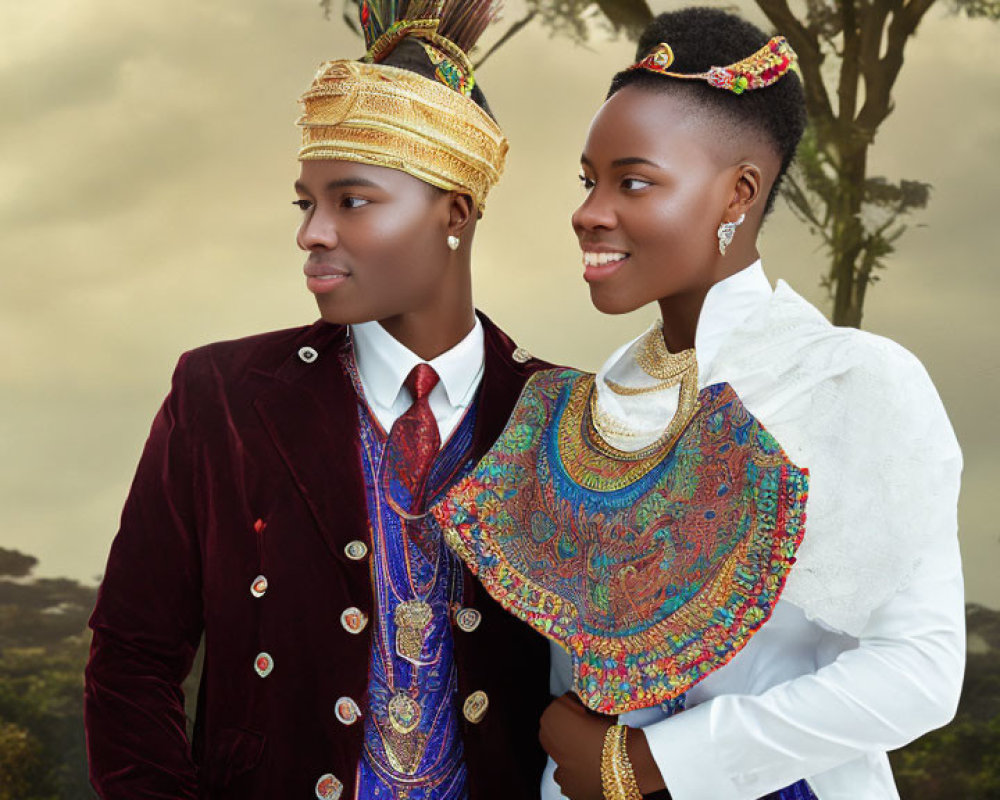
(756, 71)
(651, 572)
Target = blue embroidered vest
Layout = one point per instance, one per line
(412, 742)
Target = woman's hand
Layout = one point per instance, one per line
(574, 737)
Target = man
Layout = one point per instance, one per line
(279, 503)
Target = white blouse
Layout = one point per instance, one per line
(865, 650)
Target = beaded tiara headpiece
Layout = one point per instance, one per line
(373, 113)
(766, 66)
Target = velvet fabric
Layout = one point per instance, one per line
(253, 468)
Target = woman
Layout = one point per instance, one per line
(653, 519)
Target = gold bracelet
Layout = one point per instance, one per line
(617, 778)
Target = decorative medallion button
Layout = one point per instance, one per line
(259, 586)
(263, 664)
(356, 550)
(328, 787)
(354, 620)
(468, 619)
(404, 713)
(308, 354)
(474, 708)
(347, 711)
(521, 356)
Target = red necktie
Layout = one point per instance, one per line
(413, 444)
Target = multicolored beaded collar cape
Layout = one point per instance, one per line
(652, 569)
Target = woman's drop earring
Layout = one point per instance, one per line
(454, 242)
(726, 232)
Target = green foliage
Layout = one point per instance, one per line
(960, 760)
(883, 208)
(576, 19)
(21, 768)
(43, 612)
(43, 649)
(15, 564)
(564, 17)
(987, 9)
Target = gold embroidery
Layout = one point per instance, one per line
(412, 619)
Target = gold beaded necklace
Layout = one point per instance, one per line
(670, 369)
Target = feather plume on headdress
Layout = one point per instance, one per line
(463, 21)
(447, 29)
(460, 21)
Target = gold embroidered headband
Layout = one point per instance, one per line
(763, 68)
(374, 113)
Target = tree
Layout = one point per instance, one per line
(858, 216)
(850, 53)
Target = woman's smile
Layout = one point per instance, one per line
(600, 264)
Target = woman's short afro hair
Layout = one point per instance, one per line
(706, 37)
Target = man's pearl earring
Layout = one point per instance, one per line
(454, 242)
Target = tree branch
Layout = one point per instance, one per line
(872, 30)
(797, 198)
(850, 66)
(881, 76)
(628, 15)
(509, 34)
(807, 45)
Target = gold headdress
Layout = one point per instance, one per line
(756, 71)
(374, 113)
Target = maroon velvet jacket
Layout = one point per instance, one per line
(251, 431)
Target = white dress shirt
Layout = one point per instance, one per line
(384, 362)
(865, 649)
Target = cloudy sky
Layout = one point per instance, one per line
(146, 162)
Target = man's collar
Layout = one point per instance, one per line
(384, 362)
